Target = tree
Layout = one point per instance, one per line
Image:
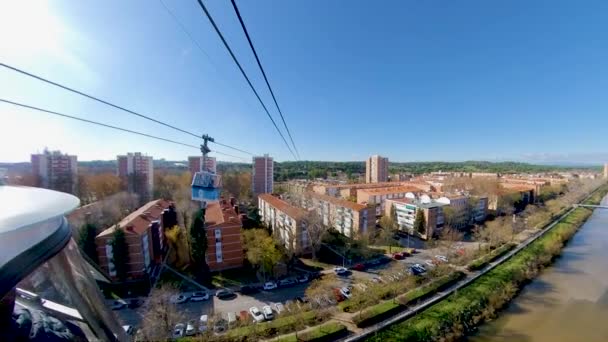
(420, 222)
(261, 250)
(198, 246)
(315, 230)
(449, 236)
(120, 253)
(160, 316)
(320, 288)
(86, 241)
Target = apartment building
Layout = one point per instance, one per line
(144, 233)
(55, 170)
(606, 171)
(224, 245)
(379, 195)
(348, 218)
(262, 175)
(195, 162)
(287, 222)
(521, 195)
(376, 169)
(406, 210)
(137, 174)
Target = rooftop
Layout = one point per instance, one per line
(139, 220)
(417, 202)
(220, 212)
(283, 206)
(338, 201)
(391, 190)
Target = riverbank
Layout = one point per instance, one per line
(470, 306)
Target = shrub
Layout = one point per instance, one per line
(481, 262)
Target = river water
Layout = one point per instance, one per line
(568, 302)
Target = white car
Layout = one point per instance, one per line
(128, 329)
(190, 329)
(178, 331)
(278, 307)
(256, 314)
(179, 299)
(441, 258)
(340, 270)
(203, 323)
(346, 292)
(270, 285)
(268, 315)
(199, 296)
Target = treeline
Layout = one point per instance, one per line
(320, 169)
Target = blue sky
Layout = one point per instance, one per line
(411, 80)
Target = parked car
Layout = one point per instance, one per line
(203, 323)
(128, 329)
(270, 285)
(118, 304)
(398, 256)
(345, 291)
(190, 328)
(302, 279)
(340, 270)
(267, 311)
(358, 267)
(441, 258)
(429, 262)
(338, 295)
(256, 314)
(180, 299)
(287, 282)
(278, 307)
(199, 296)
(179, 330)
(225, 294)
(248, 289)
(412, 251)
(406, 254)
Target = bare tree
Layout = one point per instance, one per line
(160, 315)
(315, 231)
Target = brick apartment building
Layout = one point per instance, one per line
(287, 222)
(406, 210)
(348, 218)
(224, 245)
(55, 170)
(376, 169)
(195, 162)
(377, 196)
(144, 232)
(137, 174)
(262, 175)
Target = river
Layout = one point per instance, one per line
(567, 301)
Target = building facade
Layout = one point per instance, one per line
(348, 218)
(224, 245)
(56, 171)
(195, 162)
(376, 169)
(377, 196)
(262, 175)
(287, 222)
(137, 174)
(406, 210)
(144, 233)
(606, 171)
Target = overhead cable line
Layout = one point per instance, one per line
(106, 125)
(113, 105)
(219, 33)
(238, 14)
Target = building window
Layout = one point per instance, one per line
(218, 235)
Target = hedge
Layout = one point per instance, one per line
(484, 260)
(473, 304)
(330, 331)
(380, 312)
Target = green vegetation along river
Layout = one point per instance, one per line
(566, 302)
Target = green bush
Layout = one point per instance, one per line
(326, 332)
(479, 301)
(380, 312)
(484, 260)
